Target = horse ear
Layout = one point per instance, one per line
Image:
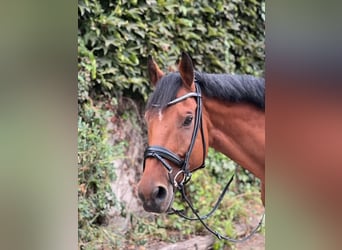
(154, 71)
(186, 70)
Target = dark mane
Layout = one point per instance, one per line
(233, 88)
(225, 87)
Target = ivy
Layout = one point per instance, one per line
(116, 37)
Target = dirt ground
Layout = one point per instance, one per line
(257, 242)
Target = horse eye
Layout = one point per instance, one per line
(187, 121)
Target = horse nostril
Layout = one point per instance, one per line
(159, 193)
(141, 196)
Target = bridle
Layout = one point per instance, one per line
(162, 154)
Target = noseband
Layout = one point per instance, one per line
(163, 154)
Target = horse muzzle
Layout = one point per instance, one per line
(156, 198)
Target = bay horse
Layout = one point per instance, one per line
(190, 111)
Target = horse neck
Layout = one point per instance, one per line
(238, 131)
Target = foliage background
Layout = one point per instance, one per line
(114, 39)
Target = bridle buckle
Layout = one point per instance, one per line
(179, 184)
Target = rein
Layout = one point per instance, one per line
(203, 217)
(217, 234)
(163, 154)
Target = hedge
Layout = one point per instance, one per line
(116, 37)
